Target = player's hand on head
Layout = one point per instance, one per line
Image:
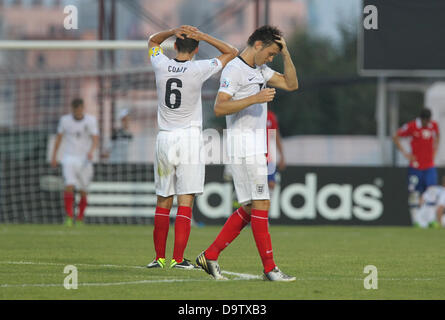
(281, 41)
(266, 95)
(185, 29)
(189, 28)
(197, 35)
(179, 31)
(194, 33)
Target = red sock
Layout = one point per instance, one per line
(160, 231)
(231, 229)
(182, 232)
(82, 205)
(260, 230)
(68, 199)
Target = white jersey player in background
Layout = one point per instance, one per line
(178, 168)
(432, 206)
(243, 98)
(80, 132)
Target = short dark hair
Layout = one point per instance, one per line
(425, 114)
(77, 102)
(267, 34)
(187, 44)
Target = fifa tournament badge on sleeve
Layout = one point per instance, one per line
(225, 83)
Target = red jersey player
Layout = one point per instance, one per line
(424, 134)
(272, 124)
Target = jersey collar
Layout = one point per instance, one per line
(180, 61)
(245, 62)
(75, 119)
(419, 124)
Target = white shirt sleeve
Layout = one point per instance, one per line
(230, 80)
(207, 68)
(94, 130)
(61, 126)
(157, 56)
(267, 72)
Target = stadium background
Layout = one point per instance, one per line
(336, 128)
(339, 207)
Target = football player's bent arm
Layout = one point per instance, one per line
(399, 146)
(287, 81)
(156, 39)
(224, 104)
(56, 149)
(228, 52)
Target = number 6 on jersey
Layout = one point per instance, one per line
(169, 92)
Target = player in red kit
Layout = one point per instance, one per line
(424, 134)
(273, 136)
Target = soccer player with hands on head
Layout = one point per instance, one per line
(178, 83)
(243, 98)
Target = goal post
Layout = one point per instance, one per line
(73, 45)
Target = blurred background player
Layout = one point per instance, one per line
(242, 98)
(120, 140)
(273, 132)
(179, 82)
(440, 207)
(80, 132)
(424, 139)
(432, 204)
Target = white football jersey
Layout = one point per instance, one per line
(178, 86)
(77, 135)
(246, 129)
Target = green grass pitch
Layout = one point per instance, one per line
(327, 261)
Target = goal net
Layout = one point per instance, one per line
(36, 89)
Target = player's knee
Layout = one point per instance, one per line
(69, 188)
(247, 208)
(261, 204)
(164, 202)
(186, 200)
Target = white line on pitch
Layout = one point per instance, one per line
(77, 264)
(101, 284)
(241, 276)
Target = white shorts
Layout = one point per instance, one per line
(77, 172)
(250, 178)
(179, 167)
